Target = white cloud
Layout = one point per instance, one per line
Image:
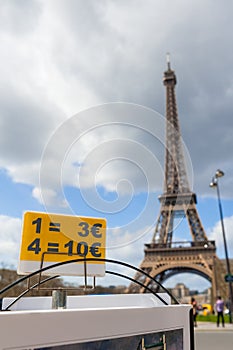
(215, 233)
(10, 238)
(126, 247)
(49, 196)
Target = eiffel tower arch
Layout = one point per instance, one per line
(163, 256)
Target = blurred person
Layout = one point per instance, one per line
(194, 304)
(219, 309)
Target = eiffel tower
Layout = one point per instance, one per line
(164, 257)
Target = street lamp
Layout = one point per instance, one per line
(214, 183)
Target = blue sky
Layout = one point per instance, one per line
(81, 110)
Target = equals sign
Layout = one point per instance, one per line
(54, 226)
(53, 247)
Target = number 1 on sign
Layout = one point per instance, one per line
(37, 222)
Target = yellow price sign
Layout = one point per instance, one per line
(56, 238)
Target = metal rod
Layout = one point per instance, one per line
(226, 252)
(59, 297)
(85, 273)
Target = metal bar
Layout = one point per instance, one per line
(226, 252)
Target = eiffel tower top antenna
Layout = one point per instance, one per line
(168, 61)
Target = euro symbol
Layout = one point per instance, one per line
(96, 229)
(94, 250)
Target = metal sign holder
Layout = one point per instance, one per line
(84, 260)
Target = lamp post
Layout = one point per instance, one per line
(214, 183)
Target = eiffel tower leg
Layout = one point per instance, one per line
(195, 225)
(160, 279)
(163, 230)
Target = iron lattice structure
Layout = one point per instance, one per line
(177, 199)
(164, 257)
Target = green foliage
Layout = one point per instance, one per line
(211, 318)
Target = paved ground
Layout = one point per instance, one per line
(210, 337)
(204, 326)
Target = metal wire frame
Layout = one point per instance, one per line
(28, 290)
(85, 260)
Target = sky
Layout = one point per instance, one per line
(82, 109)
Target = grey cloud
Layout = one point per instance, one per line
(25, 126)
(93, 52)
(19, 17)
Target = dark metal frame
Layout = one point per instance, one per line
(42, 270)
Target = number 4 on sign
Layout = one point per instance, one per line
(35, 246)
